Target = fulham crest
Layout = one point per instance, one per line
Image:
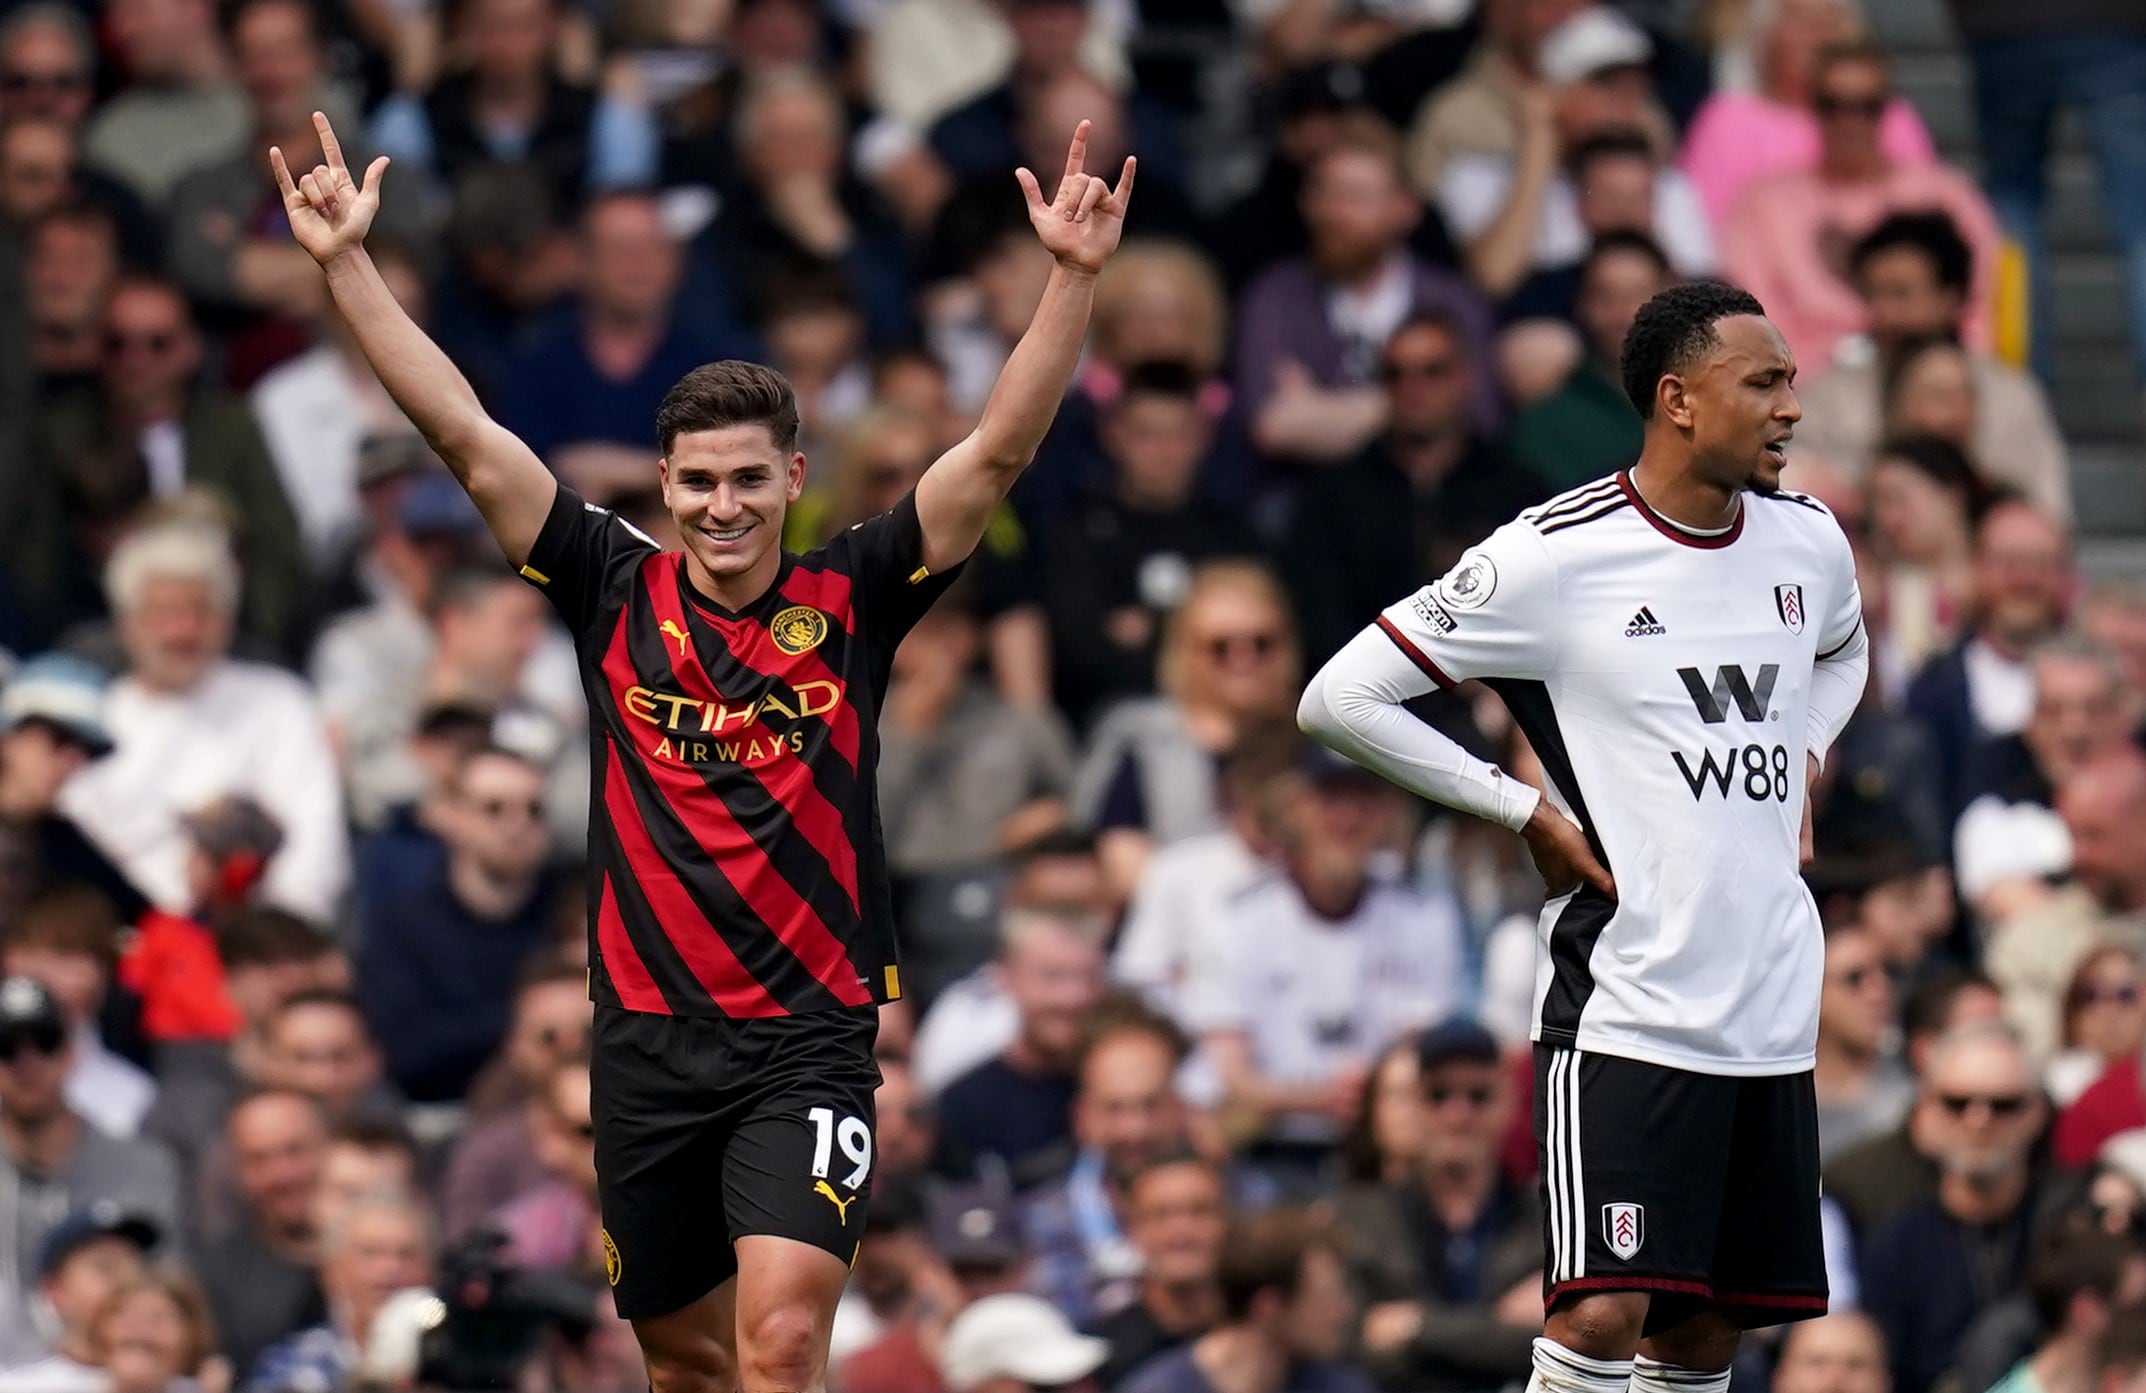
(1788, 603)
(1624, 1228)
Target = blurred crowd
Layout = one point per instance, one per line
(1212, 1072)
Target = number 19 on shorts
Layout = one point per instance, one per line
(851, 1135)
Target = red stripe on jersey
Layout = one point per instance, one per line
(706, 955)
(1415, 654)
(637, 991)
(829, 593)
(789, 782)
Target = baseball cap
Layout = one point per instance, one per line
(231, 826)
(1595, 39)
(101, 1219)
(25, 1005)
(1455, 1038)
(975, 1226)
(436, 506)
(1017, 1336)
(392, 454)
(63, 691)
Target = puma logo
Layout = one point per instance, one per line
(670, 626)
(821, 1187)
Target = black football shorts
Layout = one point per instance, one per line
(710, 1128)
(1701, 1189)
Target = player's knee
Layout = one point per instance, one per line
(781, 1347)
(1707, 1341)
(1604, 1325)
(703, 1367)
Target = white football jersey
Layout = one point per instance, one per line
(1662, 677)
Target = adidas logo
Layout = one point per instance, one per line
(1644, 624)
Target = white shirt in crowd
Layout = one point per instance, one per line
(112, 1092)
(246, 728)
(1315, 997)
(313, 415)
(1473, 190)
(1177, 911)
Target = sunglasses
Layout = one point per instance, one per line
(46, 1040)
(1435, 370)
(1999, 1104)
(154, 343)
(1438, 1095)
(532, 808)
(1865, 108)
(1223, 647)
(17, 83)
(2125, 995)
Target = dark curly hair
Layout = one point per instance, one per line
(1671, 331)
(1932, 233)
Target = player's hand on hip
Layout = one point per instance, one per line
(1081, 224)
(330, 212)
(1562, 854)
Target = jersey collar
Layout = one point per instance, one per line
(709, 609)
(1675, 533)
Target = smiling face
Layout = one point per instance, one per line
(728, 490)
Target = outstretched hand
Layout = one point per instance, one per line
(330, 212)
(1082, 224)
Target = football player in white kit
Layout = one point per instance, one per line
(1681, 642)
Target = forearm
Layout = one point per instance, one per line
(1836, 690)
(1320, 425)
(1502, 254)
(1038, 371)
(428, 387)
(1354, 705)
(275, 275)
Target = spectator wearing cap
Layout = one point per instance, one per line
(152, 428)
(1016, 1343)
(1479, 111)
(192, 725)
(1324, 965)
(1310, 327)
(481, 642)
(1285, 1317)
(1784, 241)
(1448, 1259)
(1523, 211)
(1176, 1211)
(1740, 134)
(51, 726)
(52, 1159)
(1126, 1115)
(1429, 487)
(1915, 273)
(319, 408)
(1012, 1114)
(89, 1255)
(511, 104)
(439, 956)
(68, 940)
(1116, 565)
(1585, 425)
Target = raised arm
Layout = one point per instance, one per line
(330, 214)
(959, 493)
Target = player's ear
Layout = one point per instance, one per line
(1672, 398)
(663, 477)
(796, 487)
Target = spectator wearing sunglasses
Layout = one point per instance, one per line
(52, 1160)
(1929, 1271)
(1863, 1089)
(2104, 1025)
(439, 960)
(1448, 1259)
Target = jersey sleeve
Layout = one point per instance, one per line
(893, 587)
(1493, 615)
(584, 555)
(1844, 616)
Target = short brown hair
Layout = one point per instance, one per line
(73, 919)
(730, 393)
(1265, 1251)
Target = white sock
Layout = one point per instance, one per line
(1653, 1376)
(1560, 1370)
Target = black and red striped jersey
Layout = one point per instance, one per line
(735, 861)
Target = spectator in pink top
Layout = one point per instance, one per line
(1738, 136)
(1790, 238)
